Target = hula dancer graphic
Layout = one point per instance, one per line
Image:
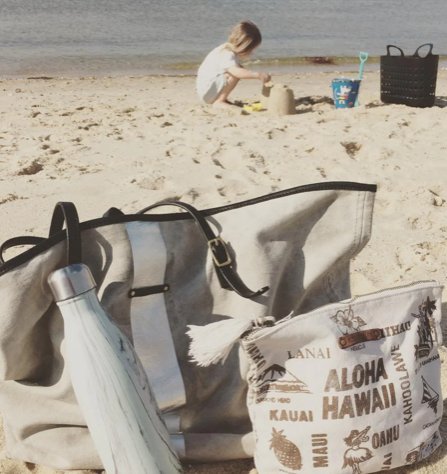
(356, 454)
(425, 329)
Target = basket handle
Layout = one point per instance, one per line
(392, 46)
(416, 53)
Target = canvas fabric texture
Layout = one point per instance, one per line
(299, 242)
(351, 387)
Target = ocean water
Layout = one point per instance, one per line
(44, 37)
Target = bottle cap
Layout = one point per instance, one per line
(71, 281)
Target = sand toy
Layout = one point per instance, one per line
(280, 98)
(363, 56)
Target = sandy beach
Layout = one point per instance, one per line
(130, 141)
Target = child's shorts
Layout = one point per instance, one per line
(214, 89)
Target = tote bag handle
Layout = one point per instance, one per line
(223, 262)
(65, 212)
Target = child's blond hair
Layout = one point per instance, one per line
(244, 37)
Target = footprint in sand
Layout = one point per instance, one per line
(10, 197)
(352, 148)
(50, 150)
(34, 168)
(116, 133)
(88, 126)
(322, 172)
(218, 163)
(258, 159)
(153, 183)
(193, 194)
(129, 110)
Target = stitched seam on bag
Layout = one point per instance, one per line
(364, 222)
(250, 372)
(358, 232)
(358, 224)
(251, 403)
(329, 281)
(329, 186)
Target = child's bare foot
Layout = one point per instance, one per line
(224, 104)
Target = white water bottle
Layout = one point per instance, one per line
(109, 382)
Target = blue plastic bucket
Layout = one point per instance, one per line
(345, 92)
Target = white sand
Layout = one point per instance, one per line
(128, 142)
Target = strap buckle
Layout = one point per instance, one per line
(214, 244)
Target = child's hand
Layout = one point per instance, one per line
(265, 77)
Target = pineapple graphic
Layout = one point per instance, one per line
(285, 451)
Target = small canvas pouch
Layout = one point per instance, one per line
(351, 387)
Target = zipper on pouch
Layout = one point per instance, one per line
(263, 323)
(205, 351)
(394, 289)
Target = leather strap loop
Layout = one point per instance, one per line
(16, 241)
(65, 212)
(223, 263)
(349, 340)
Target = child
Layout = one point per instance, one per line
(221, 70)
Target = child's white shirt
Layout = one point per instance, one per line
(211, 74)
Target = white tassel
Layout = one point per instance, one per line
(212, 343)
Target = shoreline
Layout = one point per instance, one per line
(139, 66)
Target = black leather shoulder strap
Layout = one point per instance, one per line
(19, 240)
(64, 212)
(223, 263)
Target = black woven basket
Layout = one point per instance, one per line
(409, 80)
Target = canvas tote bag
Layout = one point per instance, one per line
(156, 274)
